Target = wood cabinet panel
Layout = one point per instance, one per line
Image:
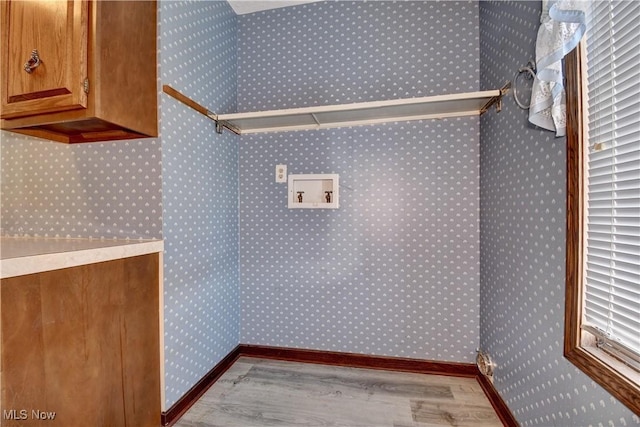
(140, 369)
(83, 342)
(111, 44)
(58, 31)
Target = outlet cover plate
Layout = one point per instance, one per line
(281, 173)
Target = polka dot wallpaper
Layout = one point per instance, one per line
(200, 193)
(351, 51)
(522, 245)
(450, 233)
(99, 190)
(395, 270)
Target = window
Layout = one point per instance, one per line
(602, 319)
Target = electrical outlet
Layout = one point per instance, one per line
(281, 173)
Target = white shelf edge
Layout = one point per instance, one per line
(237, 122)
(488, 94)
(357, 122)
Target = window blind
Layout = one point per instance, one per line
(612, 270)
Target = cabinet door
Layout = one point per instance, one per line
(82, 342)
(58, 31)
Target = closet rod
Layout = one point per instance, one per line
(189, 102)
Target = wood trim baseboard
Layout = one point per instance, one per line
(355, 360)
(169, 417)
(499, 405)
(352, 360)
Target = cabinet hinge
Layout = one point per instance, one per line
(85, 85)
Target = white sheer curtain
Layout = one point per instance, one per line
(562, 25)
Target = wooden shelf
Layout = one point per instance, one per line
(361, 113)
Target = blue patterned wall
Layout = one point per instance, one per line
(350, 51)
(200, 192)
(394, 271)
(98, 190)
(522, 245)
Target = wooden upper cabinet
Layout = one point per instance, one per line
(45, 57)
(94, 77)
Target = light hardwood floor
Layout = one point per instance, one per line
(259, 392)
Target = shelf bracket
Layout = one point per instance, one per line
(497, 100)
(221, 125)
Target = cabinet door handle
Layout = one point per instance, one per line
(33, 62)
